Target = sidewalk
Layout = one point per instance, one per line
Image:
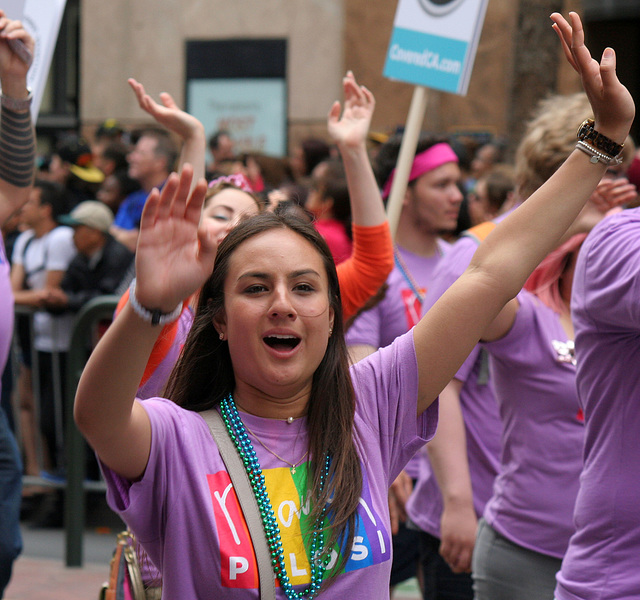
(40, 572)
(47, 579)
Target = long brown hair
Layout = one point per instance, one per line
(204, 376)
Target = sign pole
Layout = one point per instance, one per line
(408, 146)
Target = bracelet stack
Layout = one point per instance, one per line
(154, 316)
(599, 147)
(597, 156)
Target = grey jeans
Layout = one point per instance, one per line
(503, 570)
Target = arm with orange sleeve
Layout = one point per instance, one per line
(371, 261)
(368, 267)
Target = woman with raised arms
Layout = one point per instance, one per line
(267, 351)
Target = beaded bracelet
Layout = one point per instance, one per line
(597, 156)
(155, 316)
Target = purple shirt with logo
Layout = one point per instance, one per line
(185, 513)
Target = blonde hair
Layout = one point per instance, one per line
(548, 140)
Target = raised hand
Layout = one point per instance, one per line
(10, 63)
(609, 196)
(175, 253)
(351, 128)
(611, 102)
(168, 113)
(613, 193)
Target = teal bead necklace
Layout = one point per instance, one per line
(240, 437)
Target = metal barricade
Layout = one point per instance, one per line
(73, 448)
(28, 313)
(85, 324)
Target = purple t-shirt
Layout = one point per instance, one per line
(479, 410)
(186, 515)
(543, 431)
(399, 310)
(6, 307)
(603, 558)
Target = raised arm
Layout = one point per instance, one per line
(17, 143)
(505, 259)
(186, 126)
(348, 127)
(372, 258)
(609, 195)
(174, 257)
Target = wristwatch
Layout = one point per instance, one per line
(17, 104)
(587, 133)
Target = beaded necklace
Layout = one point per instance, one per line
(238, 433)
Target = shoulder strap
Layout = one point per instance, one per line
(30, 272)
(480, 232)
(247, 500)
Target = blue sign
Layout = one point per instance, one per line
(434, 42)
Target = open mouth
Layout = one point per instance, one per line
(282, 342)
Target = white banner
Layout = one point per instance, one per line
(41, 18)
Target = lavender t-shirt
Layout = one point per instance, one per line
(479, 410)
(185, 513)
(603, 558)
(543, 431)
(399, 310)
(6, 307)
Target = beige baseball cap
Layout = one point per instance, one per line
(90, 213)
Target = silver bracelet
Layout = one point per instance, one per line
(597, 156)
(17, 104)
(155, 316)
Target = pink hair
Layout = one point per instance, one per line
(544, 282)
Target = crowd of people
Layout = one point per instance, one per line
(451, 401)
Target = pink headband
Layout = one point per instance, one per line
(236, 179)
(426, 161)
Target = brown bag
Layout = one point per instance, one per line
(125, 581)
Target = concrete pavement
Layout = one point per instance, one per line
(40, 574)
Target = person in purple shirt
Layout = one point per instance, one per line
(431, 206)
(527, 521)
(456, 475)
(267, 349)
(601, 561)
(17, 167)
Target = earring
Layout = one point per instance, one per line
(330, 331)
(221, 336)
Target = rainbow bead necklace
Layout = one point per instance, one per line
(240, 437)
